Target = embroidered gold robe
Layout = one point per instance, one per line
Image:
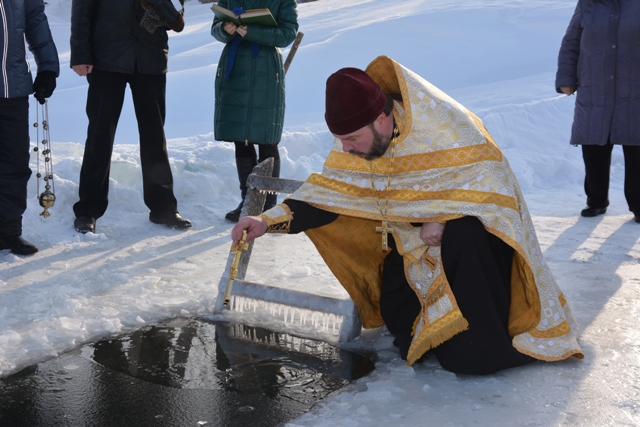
(446, 166)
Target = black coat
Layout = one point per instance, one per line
(107, 34)
(600, 56)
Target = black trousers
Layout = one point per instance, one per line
(477, 265)
(104, 105)
(597, 164)
(14, 164)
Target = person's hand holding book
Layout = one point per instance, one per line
(229, 28)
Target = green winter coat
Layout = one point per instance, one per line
(249, 105)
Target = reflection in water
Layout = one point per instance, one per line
(322, 325)
(180, 373)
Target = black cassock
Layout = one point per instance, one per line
(477, 265)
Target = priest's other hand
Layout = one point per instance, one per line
(256, 226)
(430, 233)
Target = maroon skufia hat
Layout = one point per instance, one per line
(353, 100)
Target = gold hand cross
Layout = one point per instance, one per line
(233, 270)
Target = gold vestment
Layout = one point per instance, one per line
(446, 166)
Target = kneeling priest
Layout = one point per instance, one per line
(419, 216)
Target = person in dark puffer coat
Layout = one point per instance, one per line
(250, 91)
(20, 20)
(600, 61)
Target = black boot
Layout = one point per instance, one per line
(85, 224)
(589, 211)
(245, 166)
(17, 245)
(171, 220)
(272, 199)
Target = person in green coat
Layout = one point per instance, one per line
(250, 87)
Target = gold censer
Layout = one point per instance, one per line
(47, 198)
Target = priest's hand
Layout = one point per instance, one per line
(256, 226)
(430, 233)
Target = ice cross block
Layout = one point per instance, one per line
(279, 309)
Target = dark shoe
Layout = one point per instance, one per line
(18, 245)
(245, 166)
(589, 212)
(171, 220)
(637, 217)
(85, 224)
(234, 215)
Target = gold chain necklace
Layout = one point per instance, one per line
(384, 229)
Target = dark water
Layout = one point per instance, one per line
(182, 373)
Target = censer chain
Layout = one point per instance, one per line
(47, 198)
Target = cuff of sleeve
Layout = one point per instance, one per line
(278, 219)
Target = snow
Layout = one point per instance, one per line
(497, 57)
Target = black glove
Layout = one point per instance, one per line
(44, 85)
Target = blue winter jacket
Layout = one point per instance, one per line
(20, 20)
(600, 56)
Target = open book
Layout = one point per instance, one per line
(253, 16)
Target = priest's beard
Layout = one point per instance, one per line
(378, 146)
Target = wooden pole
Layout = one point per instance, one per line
(293, 50)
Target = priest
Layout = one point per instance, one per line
(420, 218)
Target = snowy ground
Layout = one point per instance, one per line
(497, 57)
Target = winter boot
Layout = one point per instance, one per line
(245, 167)
(17, 245)
(272, 199)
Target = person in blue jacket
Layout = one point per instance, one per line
(20, 20)
(599, 60)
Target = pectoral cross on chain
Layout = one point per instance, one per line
(384, 230)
